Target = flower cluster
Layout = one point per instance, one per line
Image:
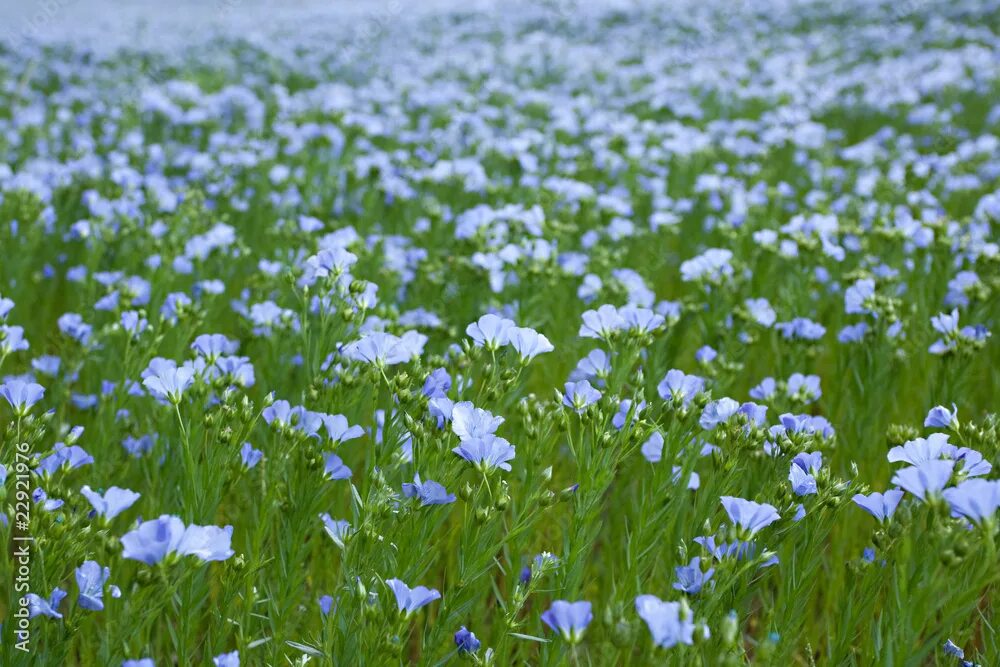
(613, 333)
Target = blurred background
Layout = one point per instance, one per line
(151, 24)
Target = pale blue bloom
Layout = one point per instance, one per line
(334, 467)
(409, 600)
(717, 412)
(570, 619)
(491, 331)
(690, 578)
(429, 492)
(664, 621)
(941, 417)
(749, 515)
(114, 501)
(90, 578)
(879, 505)
(486, 452)
(579, 395)
(528, 343)
(974, 499)
(925, 479)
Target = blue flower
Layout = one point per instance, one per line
(879, 505)
(941, 417)
(63, 457)
(466, 641)
(174, 305)
(693, 482)
(705, 354)
(437, 384)
(73, 326)
(325, 604)
(114, 501)
(90, 578)
(383, 349)
(328, 262)
(47, 364)
(334, 468)
(624, 408)
(441, 408)
(469, 422)
(213, 346)
(579, 395)
(339, 430)
(690, 578)
(953, 650)
(142, 662)
(801, 328)
(429, 492)
(152, 541)
(920, 450)
(973, 464)
(409, 600)
(38, 606)
(802, 473)
(664, 621)
(803, 387)
(278, 413)
(48, 504)
(166, 381)
(853, 333)
(756, 414)
(738, 549)
(803, 484)
(250, 456)
(133, 324)
(806, 424)
(570, 619)
(12, 340)
(594, 366)
(486, 452)
(945, 323)
(712, 265)
(227, 660)
(678, 387)
(640, 320)
(601, 323)
(21, 395)
(652, 449)
(761, 311)
(975, 499)
(338, 530)
(717, 412)
(491, 331)
(765, 390)
(810, 462)
(748, 515)
(528, 343)
(926, 479)
(857, 297)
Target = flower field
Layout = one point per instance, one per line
(582, 334)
